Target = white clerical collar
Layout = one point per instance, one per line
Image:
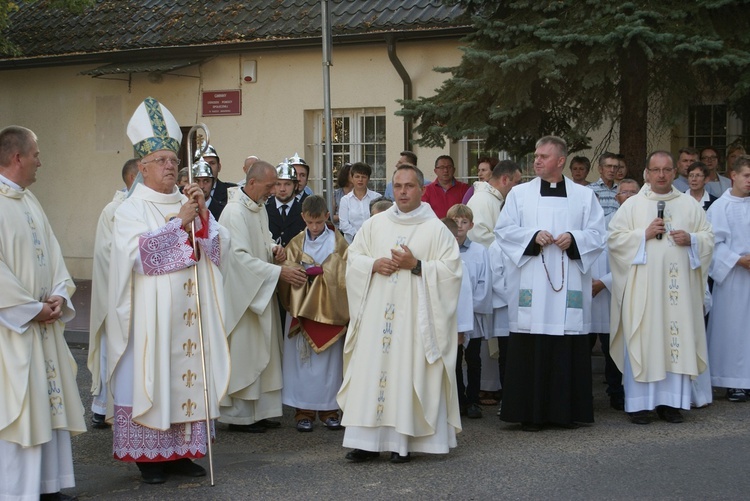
(10, 183)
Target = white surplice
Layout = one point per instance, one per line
(533, 306)
(728, 340)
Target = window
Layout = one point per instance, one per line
(467, 153)
(714, 125)
(358, 136)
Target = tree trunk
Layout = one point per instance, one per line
(634, 109)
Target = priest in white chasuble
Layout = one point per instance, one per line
(551, 230)
(97, 359)
(403, 278)
(153, 346)
(253, 321)
(40, 407)
(660, 246)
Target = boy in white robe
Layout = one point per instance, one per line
(728, 342)
(475, 257)
(312, 363)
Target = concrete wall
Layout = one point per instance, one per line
(81, 121)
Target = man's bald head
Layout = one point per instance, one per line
(259, 169)
(249, 161)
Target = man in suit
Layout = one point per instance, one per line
(218, 196)
(284, 210)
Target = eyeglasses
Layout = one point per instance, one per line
(628, 193)
(668, 170)
(162, 161)
(696, 176)
(711, 157)
(610, 166)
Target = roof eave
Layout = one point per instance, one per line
(213, 49)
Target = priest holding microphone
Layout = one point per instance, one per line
(660, 247)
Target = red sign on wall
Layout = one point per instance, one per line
(222, 102)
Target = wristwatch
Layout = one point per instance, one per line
(417, 270)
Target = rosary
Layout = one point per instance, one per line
(562, 268)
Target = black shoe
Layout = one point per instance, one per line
(669, 414)
(358, 455)
(398, 459)
(97, 421)
(640, 417)
(57, 496)
(268, 424)
(304, 425)
(184, 467)
(736, 395)
(474, 411)
(617, 402)
(247, 428)
(531, 427)
(333, 423)
(152, 473)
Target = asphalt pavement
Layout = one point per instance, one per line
(706, 457)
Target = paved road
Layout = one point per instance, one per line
(706, 457)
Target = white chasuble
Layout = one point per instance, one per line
(657, 302)
(153, 340)
(253, 321)
(99, 298)
(37, 370)
(400, 348)
(485, 204)
(550, 293)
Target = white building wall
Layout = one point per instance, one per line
(81, 121)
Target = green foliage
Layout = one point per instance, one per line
(565, 67)
(8, 7)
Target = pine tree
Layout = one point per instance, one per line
(567, 67)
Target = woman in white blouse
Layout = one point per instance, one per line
(355, 206)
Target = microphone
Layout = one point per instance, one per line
(660, 214)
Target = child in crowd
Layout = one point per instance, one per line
(478, 267)
(312, 363)
(380, 205)
(465, 310)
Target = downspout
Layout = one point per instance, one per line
(406, 79)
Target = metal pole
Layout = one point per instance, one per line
(327, 63)
(191, 137)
